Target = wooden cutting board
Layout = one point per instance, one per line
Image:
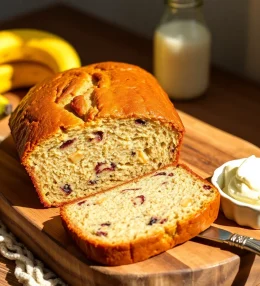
(196, 262)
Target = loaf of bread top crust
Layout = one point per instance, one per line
(142, 218)
(91, 128)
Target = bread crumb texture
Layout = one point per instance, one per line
(171, 205)
(106, 153)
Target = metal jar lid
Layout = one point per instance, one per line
(184, 3)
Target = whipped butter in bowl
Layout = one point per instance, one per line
(243, 182)
(238, 182)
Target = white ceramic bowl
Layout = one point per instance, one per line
(242, 213)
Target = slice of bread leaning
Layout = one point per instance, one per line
(89, 129)
(142, 218)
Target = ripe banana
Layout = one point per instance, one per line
(38, 46)
(22, 74)
(5, 106)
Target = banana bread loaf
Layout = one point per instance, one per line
(142, 218)
(91, 128)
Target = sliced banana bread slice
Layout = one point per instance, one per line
(89, 129)
(142, 218)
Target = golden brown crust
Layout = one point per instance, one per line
(120, 91)
(144, 248)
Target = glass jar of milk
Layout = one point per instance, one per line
(182, 50)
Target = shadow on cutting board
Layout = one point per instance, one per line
(54, 228)
(16, 185)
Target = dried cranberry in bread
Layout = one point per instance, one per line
(91, 128)
(142, 218)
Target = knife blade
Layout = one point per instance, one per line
(232, 239)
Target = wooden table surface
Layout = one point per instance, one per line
(231, 103)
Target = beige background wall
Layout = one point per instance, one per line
(235, 25)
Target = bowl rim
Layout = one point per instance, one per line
(217, 173)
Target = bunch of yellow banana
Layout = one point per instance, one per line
(28, 56)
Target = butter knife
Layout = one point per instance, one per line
(232, 239)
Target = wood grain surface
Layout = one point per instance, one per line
(204, 149)
(7, 272)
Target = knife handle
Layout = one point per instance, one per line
(244, 242)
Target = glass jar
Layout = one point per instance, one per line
(182, 50)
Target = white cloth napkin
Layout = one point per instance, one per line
(28, 271)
